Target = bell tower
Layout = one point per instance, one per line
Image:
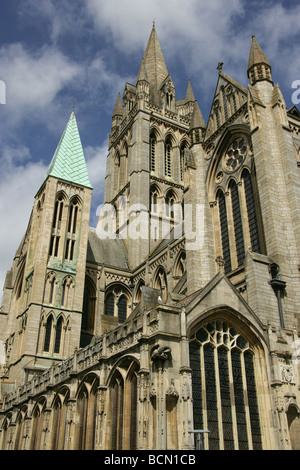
(47, 278)
(144, 186)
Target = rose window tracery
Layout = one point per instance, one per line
(235, 154)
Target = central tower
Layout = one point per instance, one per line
(144, 186)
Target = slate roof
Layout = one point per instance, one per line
(68, 162)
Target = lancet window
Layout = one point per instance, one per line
(123, 416)
(53, 334)
(72, 229)
(152, 152)
(117, 303)
(168, 157)
(225, 399)
(57, 226)
(238, 213)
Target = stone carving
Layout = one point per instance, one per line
(160, 353)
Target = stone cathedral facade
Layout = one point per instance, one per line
(180, 311)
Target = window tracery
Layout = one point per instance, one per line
(238, 219)
(221, 356)
(117, 303)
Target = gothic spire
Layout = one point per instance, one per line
(118, 111)
(68, 162)
(197, 121)
(153, 65)
(189, 92)
(258, 66)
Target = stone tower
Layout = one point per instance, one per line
(145, 168)
(43, 296)
(180, 312)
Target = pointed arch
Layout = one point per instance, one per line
(252, 212)
(179, 267)
(224, 229)
(67, 290)
(171, 201)
(160, 283)
(20, 421)
(88, 312)
(37, 424)
(86, 412)
(237, 222)
(51, 288)
(48, 333)
(118, 301)
(59, 418)
(220, 355)
(58, 215)
(123, 399)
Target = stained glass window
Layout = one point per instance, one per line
(223, 386)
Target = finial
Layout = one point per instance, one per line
(253, 36)
(154, 23)
(220, 65)
(74, 104)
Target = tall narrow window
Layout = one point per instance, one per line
(224, 230)
(122, 309)
(72, 230)
(88, 313)
(224, 103)
(170, 202)
(237, 220)
(56, 226)
(153, 200)
(48, 333)
(168, 158)
(59, 326)
(152, 152)
(219, 357)
(110, 304)
(117, 395)
(251, 212)
(182, 149)
(52, 290)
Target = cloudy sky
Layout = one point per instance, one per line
(53, 51)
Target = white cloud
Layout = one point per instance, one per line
(33, 80)
(96, 165)
(19, 181)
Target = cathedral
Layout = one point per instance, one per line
(175, 322)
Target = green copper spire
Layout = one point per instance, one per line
(68, 162)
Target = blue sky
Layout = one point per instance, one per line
(53, 51)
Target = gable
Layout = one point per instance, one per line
(228, 98)
(219, 297)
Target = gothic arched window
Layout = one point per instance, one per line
(87, 412)
(224, 230)
(48, 333)
(117, 303)
(88, 313)
(152, 151)
(72, 229)
(110, 305)
(56, 226)
(123, 415)
(59, 422)
(122, 309)
(168, 157)
(160, 283)
(58, 335)
(237, 223)
(251, 212)
(223, 377)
